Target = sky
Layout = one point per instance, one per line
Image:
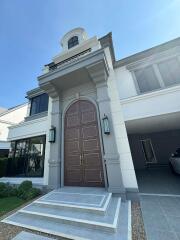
(30, 33)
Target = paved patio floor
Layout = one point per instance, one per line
(158, 181)
(161, 216)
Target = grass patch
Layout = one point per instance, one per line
(8, 204)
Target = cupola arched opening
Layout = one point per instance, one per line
(73, 41)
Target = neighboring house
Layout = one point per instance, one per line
(93, 119)
(9, 117)
(2, 110)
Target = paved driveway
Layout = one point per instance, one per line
(159, 180)
(161, 216)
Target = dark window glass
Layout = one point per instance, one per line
(35, 163)
(146, 79)
(4, 153)
(39, 104)
(73, 42)
(26, 157)
(170, 71)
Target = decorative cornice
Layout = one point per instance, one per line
(50, 89)
(98, 72)
(29, 122)
(147, 53)
(106, 41)
(34, 92)
(156, 58)
(99, 54)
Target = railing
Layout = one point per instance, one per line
(53, 66)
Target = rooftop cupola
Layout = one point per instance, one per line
(73, 38)
(75, 44)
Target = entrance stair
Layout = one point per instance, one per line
(77, 213)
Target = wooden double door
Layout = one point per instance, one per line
(82, 151)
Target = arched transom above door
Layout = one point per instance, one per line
(82, 150)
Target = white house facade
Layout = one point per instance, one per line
(93, 120)
(9, 117)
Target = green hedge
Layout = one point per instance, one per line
(7, 191)
(25, 190)
(3, 166)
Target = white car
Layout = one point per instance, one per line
(175, 161)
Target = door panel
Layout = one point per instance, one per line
(92, 159)
(88, 117)
(92, 177)
(89, 132)
(83, 160)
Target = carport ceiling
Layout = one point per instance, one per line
(158, 123)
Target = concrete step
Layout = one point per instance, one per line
(30, 236)
(97, 203)
(55, 227)
(107, 222)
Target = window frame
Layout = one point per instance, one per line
(177, 58)
(144, 153)
(26, 155)
(72, 43)
(40, 104)
(139, 92)
(157, 74)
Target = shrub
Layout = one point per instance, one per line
(2, 189)
(12, 191)
(3, 166)
(23, 188)
(27, 192)
(32, 193)
(6, 190)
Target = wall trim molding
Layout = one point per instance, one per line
(151, 94)
(21, 124)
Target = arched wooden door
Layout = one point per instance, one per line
(82, 152)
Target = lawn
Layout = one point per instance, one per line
(7, 204)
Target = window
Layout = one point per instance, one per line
(146, 79)
(73, 42)
(148, 151)
(39, 104)
(26, 157)
(170, 71)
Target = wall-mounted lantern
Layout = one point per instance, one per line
(106, 125)
(52, 134)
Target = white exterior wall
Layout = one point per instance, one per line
(4, 131)
(154, 103)
(15, 115)
(9, 119)
(151, 104)
(125, 83)
(127, 167)
(28, 129)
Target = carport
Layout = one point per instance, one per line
(152, 141)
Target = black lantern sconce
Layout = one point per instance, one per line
(52, 134)
(106, 125)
